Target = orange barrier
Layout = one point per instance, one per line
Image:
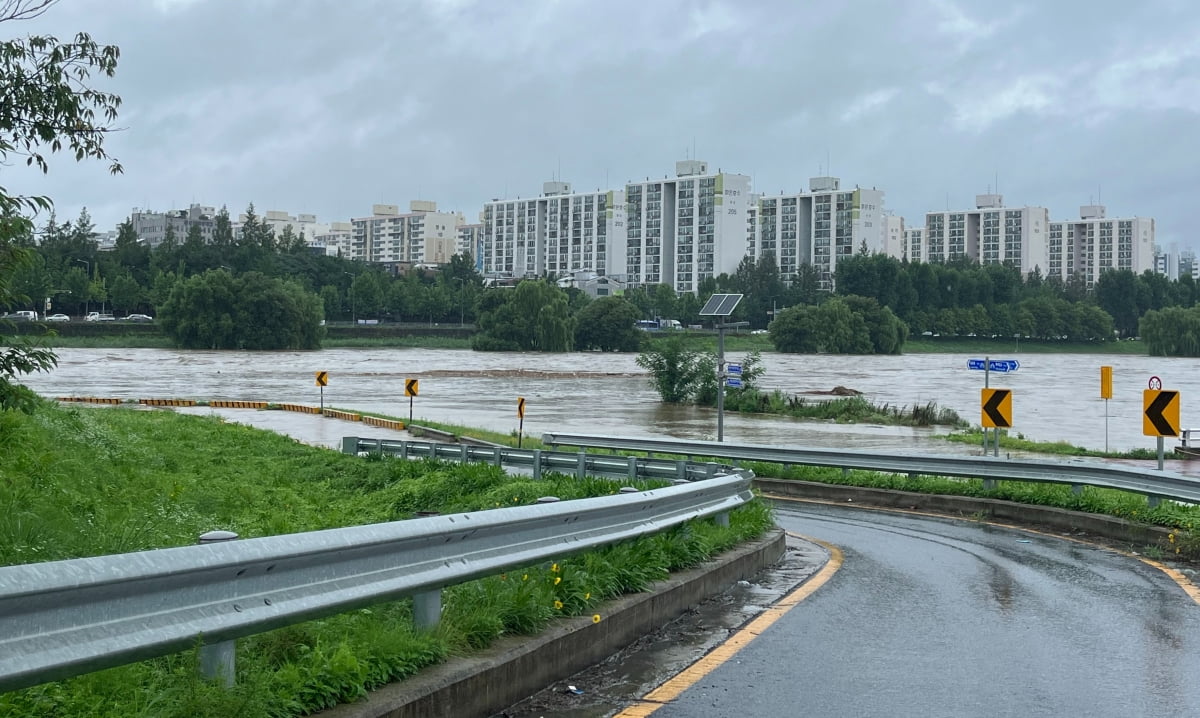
(224, 404)
(167, 402)
(299, 407)
(90, 399)
(335, 414)
(383, 423)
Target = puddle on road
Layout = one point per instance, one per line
(629, 674)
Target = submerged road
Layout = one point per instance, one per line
(934, 617)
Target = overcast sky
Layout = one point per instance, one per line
(328, 107)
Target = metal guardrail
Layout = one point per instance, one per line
(579, 464)
(1153, 483)
(64, 618)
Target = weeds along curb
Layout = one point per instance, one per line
(516, 668)
(1109, 527)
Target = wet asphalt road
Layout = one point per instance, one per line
(934, 617)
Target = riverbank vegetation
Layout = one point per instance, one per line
(1057, 448)
(82, 482)
(681, 374)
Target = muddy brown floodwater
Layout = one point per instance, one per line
(1055, 396)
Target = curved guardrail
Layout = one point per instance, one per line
(64, 618)
(536, 461)
(1151, 482)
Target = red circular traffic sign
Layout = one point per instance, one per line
(1155, 383)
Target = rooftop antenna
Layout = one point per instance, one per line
(693, 147)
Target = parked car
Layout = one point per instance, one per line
(139, 318)
(98, 317)
(22, 316)
(58, 318)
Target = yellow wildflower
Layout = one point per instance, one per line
(525, 577)
(596, 618)
(558, 605)
(587, 595)
(554, 568)
(557, 580)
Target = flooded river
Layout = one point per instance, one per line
(1055, 396)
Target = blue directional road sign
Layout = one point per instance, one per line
(733, 383)
(735, 369)
(1000, 365)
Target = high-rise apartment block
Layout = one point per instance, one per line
(421, 236)
(1094, 243)
(470, 241)
(559, 233)
(683, 230)
(819, 227)
(990, 234)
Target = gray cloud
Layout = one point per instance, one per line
(314, 107)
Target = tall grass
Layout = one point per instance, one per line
(82, 482)
(850, 409)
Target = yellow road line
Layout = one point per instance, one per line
(691, 675)
(1183, 581)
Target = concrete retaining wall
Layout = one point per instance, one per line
(516, 668)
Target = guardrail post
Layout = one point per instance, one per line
(427, 609)
(681, 468)
(710, 471)
(722, 519)
(403, 449)
(581, 470)
(379, 445)
(497, 457)
(1152, 500)
(218, 660)
(466, 453)
(1076, 489)
(537, 463)
(633, 467)
(350, 445)
(989, 484)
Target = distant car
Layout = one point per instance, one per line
(759, 331)
(139, 318)
(98, 317)
(58, 318)
(22, 316)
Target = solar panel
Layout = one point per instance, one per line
(720, 305)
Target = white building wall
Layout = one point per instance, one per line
(893, 236)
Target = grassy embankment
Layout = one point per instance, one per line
(79, 482)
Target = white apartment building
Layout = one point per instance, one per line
(301, 224)
(990, 234)
(820, 226)
(914, 247)
(1094, 243)
(893, 236)
(336, 240)
(151, 227)
(685, 229)
(470, 241)
(421, 236)
(559, 233)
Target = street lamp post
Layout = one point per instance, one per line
(87, 292)
(461, 302)
(353, 311)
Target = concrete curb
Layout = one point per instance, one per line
(1109, 527)
(515, 668)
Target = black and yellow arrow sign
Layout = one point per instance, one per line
(411, 387)
(1160, 412)
(997, 408)
(520, 407)
(322, 378)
